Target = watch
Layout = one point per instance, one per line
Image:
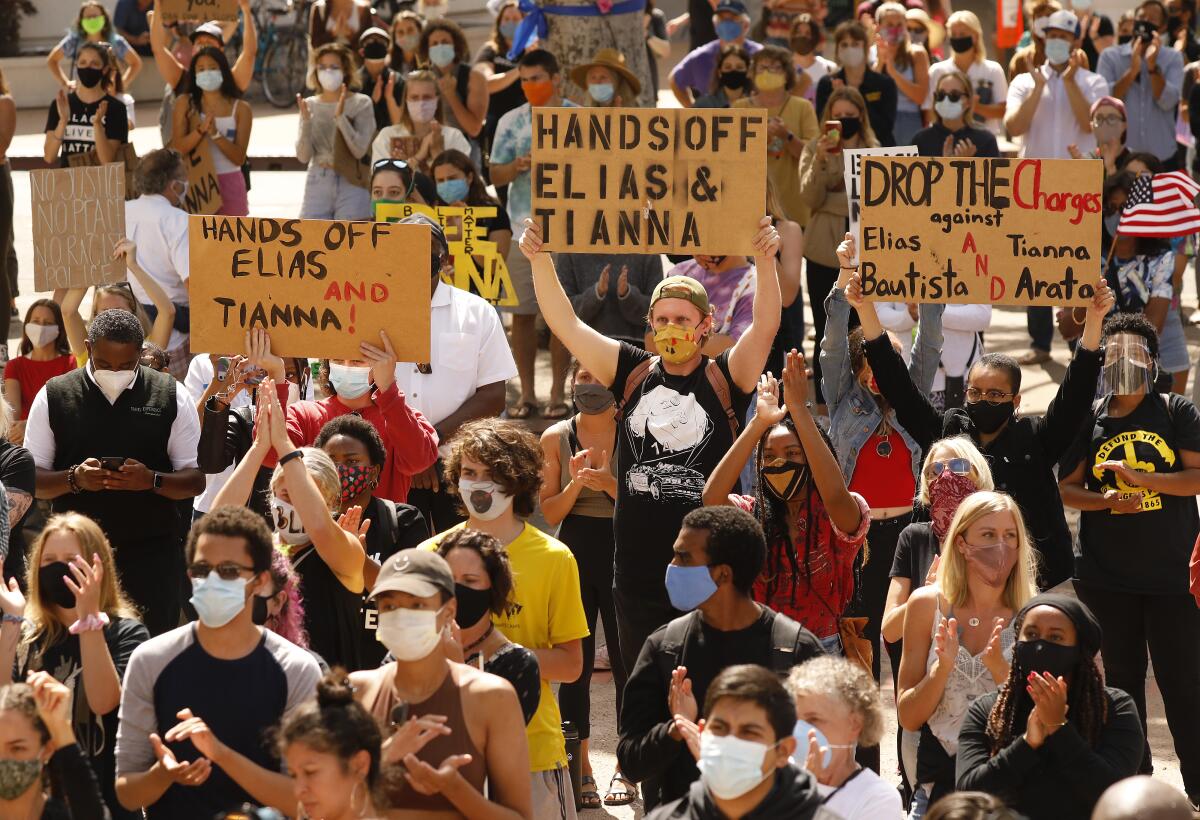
(158, 481)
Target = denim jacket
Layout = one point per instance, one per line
(853, 413)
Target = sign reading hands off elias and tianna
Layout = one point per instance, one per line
(979, 231)
(630, 180)
(318, 287)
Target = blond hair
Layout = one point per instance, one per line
(323, 472)
(836, 677)
(958, 447)
(968, 19)
(952, 570)
(44, 630)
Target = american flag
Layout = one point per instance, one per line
(1161, 205)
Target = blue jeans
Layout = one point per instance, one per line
(1040, 321)
(327, 195)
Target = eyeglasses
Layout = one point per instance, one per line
(952, 96)
(1111, 119)
(958, 466)
(974, 394)
(227, 571)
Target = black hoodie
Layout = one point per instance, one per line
(793, 797)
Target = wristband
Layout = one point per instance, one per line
(11, 619)
(853, 268)
(294, 454)
(91, 623)
(75, 488)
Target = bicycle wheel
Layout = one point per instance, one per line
(284, 68)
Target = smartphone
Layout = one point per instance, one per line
(399, 714)
(222, 368)
(833, 131)
(256, 377)
(113, 463)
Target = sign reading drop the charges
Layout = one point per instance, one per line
(319, 287)
(979, 231)
(629, 180)
(173, 11)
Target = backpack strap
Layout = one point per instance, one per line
(720, 385)
(675, 638)
(633, 381)
(785, 644)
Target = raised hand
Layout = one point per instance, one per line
(531, 240)
(382, 361)
(767, 409)
(352, 522)
(931, 574)
(53, 701)
(854, 294)
(12, 600)
(98, 117)
(767, 240)
(795, 379)
(87, 583)
(847, 252)
(680, 700)
(302, 104)
(125, 248)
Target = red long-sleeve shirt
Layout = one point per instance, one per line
(410, 439)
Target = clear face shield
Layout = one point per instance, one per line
(1129, 369)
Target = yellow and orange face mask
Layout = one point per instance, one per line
(676, 344)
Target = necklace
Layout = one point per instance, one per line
(491, 628)
(883, 448)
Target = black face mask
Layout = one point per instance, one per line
(473, 604)
(851, 126)
(89, 77)
(962, 45)
(52, 586)
(258, 610)
(375, 51)
(1174, 23)
(785, 481)
(988, 417)
(1122, 39)
(803, 45)
(1042, 656)
(733, 79)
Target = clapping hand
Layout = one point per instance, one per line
(680, 700)
(412, 736)
(196, 730)
(180, 772)
(87, 583)
(427, 780)
(690, 733)
(945, 643)
(602, 282)
(53, 701)
(993, 654)
(767, 410)
(352, 522)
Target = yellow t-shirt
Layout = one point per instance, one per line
(782, 168)
(549, 612)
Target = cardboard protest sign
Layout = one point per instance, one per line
(172, 11)
(631, 180)
(204, 192)
(468, 241)
(853, 175)
(319, 287)
(78, 217)
(977, 231)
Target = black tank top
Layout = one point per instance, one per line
(331, 612)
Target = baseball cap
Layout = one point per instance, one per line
(732, 7)
(418, 572)
(1063, 20)
(374, 31)
(211, 28)
(682, 287)
(438, 237)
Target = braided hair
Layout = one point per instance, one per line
(772, 513)
(1088, 702)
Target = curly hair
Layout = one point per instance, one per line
(511, 454)
(1086, 696)
(289, 623)
(495, 562)
(1135, 324)
(970, 806)
(842, 680)
(357, 428)
(118, 326)
(158, 169)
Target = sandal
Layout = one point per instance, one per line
(589, 793)
(522, 411)
(621, 791)
(556, 410)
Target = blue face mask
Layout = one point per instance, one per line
(218, 601)
(601, 92)
(508, 28)
(800, 732)
(441, 55)
(688, 587)
(452, 190)
(209, 80)
(729, 30)
(1111, 222)
(349, 382)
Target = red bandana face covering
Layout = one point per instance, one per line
(354, 481)
(946, 492)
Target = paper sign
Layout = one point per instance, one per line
(319, 287)
(204, 192)
(631, 180)
(172, 11)
(78, 218)
(468, 243)
(978, 231)
(853, 176)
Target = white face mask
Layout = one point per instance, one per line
(287, 523)
(483, 499)
(330, 78)
(113, 383)
(851, 56)
(41, 335)
(422, 111)
(730, 766)
(293, 393)
(409, 634)
(949, 109)
(349, 382)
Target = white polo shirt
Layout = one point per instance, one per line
(1054, 126)
(467, 350)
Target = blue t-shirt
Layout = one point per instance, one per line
(514, 138)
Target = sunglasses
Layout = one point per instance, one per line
(227, 571)
(952, 96)
(958, 466)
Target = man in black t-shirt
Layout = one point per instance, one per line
(678, 415)
(1134, 473)
(719, 553)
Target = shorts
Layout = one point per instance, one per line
(234, 200)
(1172, 345)
(521, 274)
(553, 795)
